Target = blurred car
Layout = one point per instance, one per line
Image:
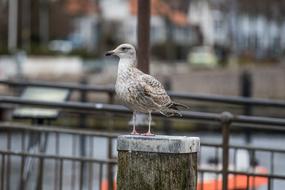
(202, 56)
(61, 46)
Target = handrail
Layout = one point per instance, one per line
(245, 147)
(89, 107)
(235, 100)
(56, 129)
(49, 156)
(85, 107)
(252, 174)
(78, 131)
(70, 86)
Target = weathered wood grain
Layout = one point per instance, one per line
(141, 170)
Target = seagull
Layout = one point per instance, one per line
(140, 92)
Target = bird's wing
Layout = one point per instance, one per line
(153, 89)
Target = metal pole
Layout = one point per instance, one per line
(246, 89)
(41, 147)
(110, 166)
(26, 25)
(233, 25)
(226, 120)
(82, 124)
(13, 25)
(44, 22)
(143, 29)
(100, 38)
(110, 144)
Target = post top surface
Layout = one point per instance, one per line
(158, 144)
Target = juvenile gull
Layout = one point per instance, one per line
(138, 91)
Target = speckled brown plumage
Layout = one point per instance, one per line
(139, 91)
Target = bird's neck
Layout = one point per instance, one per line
(125, 64)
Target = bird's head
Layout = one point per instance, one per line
(123, 51)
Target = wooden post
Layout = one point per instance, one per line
(157, 162)
(143, 29)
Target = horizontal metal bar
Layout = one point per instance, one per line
(57, 129)
(237, 100)
(70, 86)
(83, 107)
(273, 176)
(209, 170)
(260, 127)
(48, 156)
(216, 145)
(64, 105)
(258, 120)
(89, 107)
(114, 161)
(189, 96)
(13, 126)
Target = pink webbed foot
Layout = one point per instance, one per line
(148, 134)
(134, 132)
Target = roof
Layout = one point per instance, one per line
(75, 7)
(162, 8)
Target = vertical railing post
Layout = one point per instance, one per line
(110, 166)
(111, 97)
(111, 100)
(41, 150)
(157, 162)
(83, 144)
(226, 119)
(2, 114)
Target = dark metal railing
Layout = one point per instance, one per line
(251, 172)
(187, 96)
(93, 107)
(84, 167)
(226, 121)
(80, 165)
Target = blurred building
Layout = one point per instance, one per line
(3, 24)
(84, 32)
(212, 21)
(168, 22)
(251, 28)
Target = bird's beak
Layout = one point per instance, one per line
(109, 53)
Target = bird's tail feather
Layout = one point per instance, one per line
(170, 113)
(177, 106)
(173, 109)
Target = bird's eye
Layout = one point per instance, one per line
(125, 48)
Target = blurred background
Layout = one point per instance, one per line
(213, 55)
(220, 38)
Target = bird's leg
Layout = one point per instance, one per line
(134, 132)
(149, 125)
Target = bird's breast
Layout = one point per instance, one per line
(121, 88)
(126, 90)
